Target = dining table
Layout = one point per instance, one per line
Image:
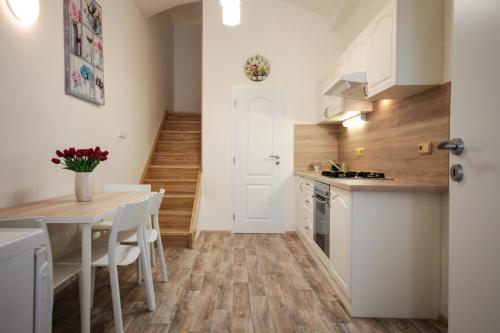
(66, 210)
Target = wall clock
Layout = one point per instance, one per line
(257, 68)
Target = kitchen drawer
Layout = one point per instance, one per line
(309, 202)
(307, 186)
(308, 227)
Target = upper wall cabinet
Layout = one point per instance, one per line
(405, 48)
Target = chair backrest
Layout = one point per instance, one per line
(130, 216)
(127, 188)
(43, 322)
(156, 199)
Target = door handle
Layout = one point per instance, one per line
(276, 157)
(456, 146)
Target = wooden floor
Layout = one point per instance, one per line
(229, 283)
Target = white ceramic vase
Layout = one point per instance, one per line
(84, 186)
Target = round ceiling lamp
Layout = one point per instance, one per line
(26, 11)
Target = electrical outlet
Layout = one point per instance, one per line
(360, 152)
(425, 148)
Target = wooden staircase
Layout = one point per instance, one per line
(175, 165)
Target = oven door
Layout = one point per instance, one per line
(322, 223)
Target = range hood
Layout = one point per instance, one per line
(350, 86)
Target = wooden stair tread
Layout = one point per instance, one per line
(180, 132)
(161, 166)
(169, 121)
(176, 153)
(168, 180)
(172, 231)
(184, 113)
(178, 196)
(175, 212)
(164, 142)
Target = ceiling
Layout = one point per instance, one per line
(332, 10)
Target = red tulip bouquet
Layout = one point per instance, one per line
(82, 162)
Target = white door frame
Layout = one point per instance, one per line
(233, 153)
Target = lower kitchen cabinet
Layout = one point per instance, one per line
(340, 238)
(384, 250)
(304, 206)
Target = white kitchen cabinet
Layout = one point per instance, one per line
(384, 250)
(405, 48)
(328, 106)
(340, 238)
(304, 206)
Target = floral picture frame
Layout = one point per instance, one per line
(84, 51)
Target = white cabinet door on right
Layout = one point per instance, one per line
(382, 53)
(340, 237)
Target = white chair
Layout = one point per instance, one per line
(152, 232)
(154, 235)
(106, 225)
(43, 321)
(130, 217)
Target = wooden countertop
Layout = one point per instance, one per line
(374, 185)
(63, 209)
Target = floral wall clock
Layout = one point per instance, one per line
(257, 68)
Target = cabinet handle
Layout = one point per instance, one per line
(307, 228)
(325, 113)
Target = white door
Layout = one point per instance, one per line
(257, 200)
(475, 201)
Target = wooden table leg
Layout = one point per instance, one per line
(85, 277)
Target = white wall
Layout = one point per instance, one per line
(182, 31)
(36, 116)
(187, 67)
(298, 44)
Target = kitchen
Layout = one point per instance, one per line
(371, 184)
(323, 180)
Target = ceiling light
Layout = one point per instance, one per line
(26, 11)
(355, 121)
(231, 13)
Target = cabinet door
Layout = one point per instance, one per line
(299, 203)
(382, 52)
(340, 238)
(356, 57)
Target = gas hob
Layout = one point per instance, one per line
(354, 174)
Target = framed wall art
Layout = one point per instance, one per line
(83, 48)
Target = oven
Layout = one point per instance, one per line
(322, 216)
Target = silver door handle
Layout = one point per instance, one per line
(456, 146)
(276, 157)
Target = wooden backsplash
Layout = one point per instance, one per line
(393, 132)
(390, 138)
(314, 142)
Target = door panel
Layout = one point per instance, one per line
(341, 239)
(381, 55)
(257, 122)
(474, 304)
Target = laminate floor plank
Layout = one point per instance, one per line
(229, 283)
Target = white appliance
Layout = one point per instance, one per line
(351, 86)
(25, 281)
